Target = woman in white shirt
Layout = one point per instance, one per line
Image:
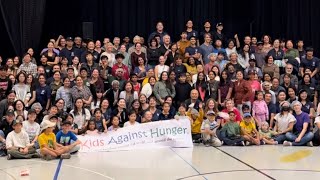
(147, 89)
(160, 68)
(81, 115)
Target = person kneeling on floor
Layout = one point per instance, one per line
(49, 148)
(230, 133)
(208, 130)
(18, 143)
(67, 138)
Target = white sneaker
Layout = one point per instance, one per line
(310, 144)
(287, 143)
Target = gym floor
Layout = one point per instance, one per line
(199, 162)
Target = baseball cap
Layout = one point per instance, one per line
(212, 113)
(66, 122)
(69, 39)
(252, 72)
(17, 121)
(219, 24)
(10, 112)
(259, 43)
(54, 116)
(246, 115)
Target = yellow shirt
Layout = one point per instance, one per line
(196, 125)
(248, 127)
(191, 69)
(49, 140)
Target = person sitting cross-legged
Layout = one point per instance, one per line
(67, 138)
(18, 143)
(301, 134)
(49, 148)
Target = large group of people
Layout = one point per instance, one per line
(234, 92)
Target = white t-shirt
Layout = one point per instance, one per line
(283, 121)
(129, 124)
(20, 140)
(32, 130)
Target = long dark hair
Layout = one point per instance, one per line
(202, 83)
(222, 81)
(167, 82)
(75, 108)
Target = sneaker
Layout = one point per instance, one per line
(74, 152)
(242, 143)
(65, 156)
(47, 157)
(9, 156)
(310, 144)
(287, 143)
(248, 143)
(276, 142)
(35, 155)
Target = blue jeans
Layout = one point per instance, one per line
(2, 145)
(280, 138)
(304, 140)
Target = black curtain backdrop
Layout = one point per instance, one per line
(289, 19)
(23, 23)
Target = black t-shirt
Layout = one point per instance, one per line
(5, 127)
(3, 87)
(310, 63)
(70, 54)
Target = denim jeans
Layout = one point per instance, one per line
(304, 140)
(230, 141)
(280, 138)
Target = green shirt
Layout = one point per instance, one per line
(232, 129)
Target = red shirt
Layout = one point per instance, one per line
(125, 70)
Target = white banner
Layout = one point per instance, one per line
(169, 133)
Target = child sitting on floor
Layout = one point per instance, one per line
(67, 138)
(230, 133)
(248, 130)
(266, 134)
(209, 128)
(49, 148)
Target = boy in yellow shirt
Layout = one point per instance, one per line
(248, 130)
(49, 148)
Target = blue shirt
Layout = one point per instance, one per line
(301, 119)
(65, 139)
(43, 94)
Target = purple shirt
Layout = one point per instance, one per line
(301, 119)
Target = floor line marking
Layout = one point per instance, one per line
(76, 167)
(270, 177)
(249, 170)
(188, 164)
(56, 174)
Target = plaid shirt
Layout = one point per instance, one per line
(28, 68)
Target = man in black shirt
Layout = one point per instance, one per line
(219, 35)
(310, 62)
(4, 82)
(207, 30)
(69, 51)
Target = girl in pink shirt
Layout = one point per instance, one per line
(260, 110)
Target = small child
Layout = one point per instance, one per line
(67, 138)
(249, 131)
(260, 110)
(115, 124)
(91, 128)
(165, 114)
(74, 126)
(135, 83)
(101, 124)
(197, 118)
(230, 133)
(31, 127)
(132, 119)
(266, 134)
(49, 148)
(209, 128)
